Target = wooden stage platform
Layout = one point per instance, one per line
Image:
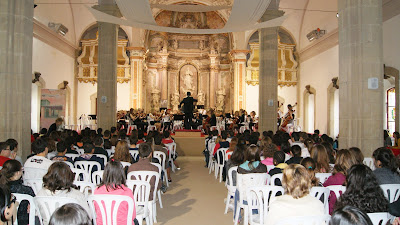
(189, 143)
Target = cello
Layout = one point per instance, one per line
(287, 118)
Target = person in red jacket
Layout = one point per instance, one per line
(5, 153)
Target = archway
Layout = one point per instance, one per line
(309, 109)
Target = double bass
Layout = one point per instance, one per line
(288, 117)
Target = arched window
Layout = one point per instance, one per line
(391, 110)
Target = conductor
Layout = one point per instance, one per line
(188, 110)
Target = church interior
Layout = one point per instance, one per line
(336, 62)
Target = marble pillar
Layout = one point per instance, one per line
(16, 36)
(162, 69)
(136, 56)
(268, 74)
(360, 61)
(239, 77)
(213, 79)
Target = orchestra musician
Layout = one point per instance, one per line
(287, 121)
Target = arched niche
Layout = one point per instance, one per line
(309, 107)
(68, 119)
(333, 108)
(35, 104)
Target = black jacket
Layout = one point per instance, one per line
(188, 104)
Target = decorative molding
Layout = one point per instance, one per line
(136, 48)
(48, 36)
(322, 44)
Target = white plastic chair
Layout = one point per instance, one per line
(103, 157)
(147, 176)
(379, 218)
(319, 192)
(305, 220)
(220, 167)
(97, 177)
(81, 175)
(159, 191)
(391, 191)
(171, 151)
(85, 187)
(32, 206)
(110, 152)
(244, 181)
(276, 177)
(69, 164)
(35, 184)
(228, 155)
(323, 176)
(124, 164)
(109, 206)
(231, 189)
(338, 190)
(48, 204)
(88, 166)
(258, 198)
(80, 151)
(162, 158)
(151, 128)
(33, 173)
(72, 156)
(134, 153)
(211, 162)
(141, 194)
(270, 167)
(369, 162)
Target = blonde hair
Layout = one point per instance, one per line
(296, 181)
(122, 152)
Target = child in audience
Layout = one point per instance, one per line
(268, 153)
(363, 191)
(344, 161)
(295, 152)
(386, 166)
(321, 158)
(167, 139)
(280, 165)
(38, 161)
(58, 182)
(98, 147)
(61, 151)
(122, 152)
(358, 155)
(11, 177)
(252, 163)
(350, 215)
(88, 156)
(70, 214)
(296, 201)
(309, 164)
(114, 183)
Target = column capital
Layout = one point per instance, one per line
(271, 14)
(112, 10)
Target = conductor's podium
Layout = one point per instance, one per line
(189, 142)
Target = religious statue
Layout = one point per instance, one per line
(220, 99)
(201, 45)
(175, 101)
(155, 99)
(187, 81)
(165, 46)
(201, 98)
(175, 44)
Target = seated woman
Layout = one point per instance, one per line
(296, 201)
(344, 161)
(236, 159)
(122, 152)
(7, 206)
(321, 158)
(58, 182)
(386, 166)
(70, 213)
(363, 191)
(356, 152)
(11, 177)
(350, 215)
(113, 183)
(268, 151)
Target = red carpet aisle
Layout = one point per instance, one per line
(194, 197)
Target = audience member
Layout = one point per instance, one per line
(297, 140)
(363, 191)
(61, 151)
(296, 153)
(252, 163)
(38, 161)
(386, 166)
(144, 164)
(237, 158)
(280, 165)
(321, 158)
(114, 183)
(309, 164)
(13, 144)
(356, 152)
(5, 152)
(98, 147)
(59, 182)
(159, 146)
(268, 151)
(296, 201)
(122, 152)
(349, 215)
(344, 161)
(70, 214)
(88, 156)
(7, 205)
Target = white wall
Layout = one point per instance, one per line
(252, 97)
(391, 44)
(123, 91)
(318, 72)
(289, 94)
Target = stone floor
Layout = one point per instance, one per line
(194, 197)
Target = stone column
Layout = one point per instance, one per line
(360, 58)
(162, 70)
(239, 77)
(213, 79)
(268, 74)
(136, 76)
(107, 70)
(16, 35)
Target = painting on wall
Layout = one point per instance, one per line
(52, 106)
